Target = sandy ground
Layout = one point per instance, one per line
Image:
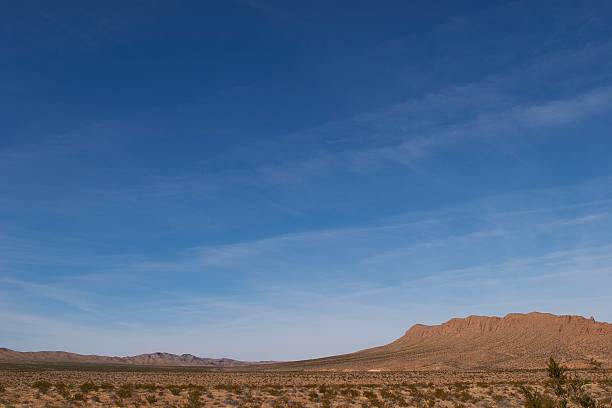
(104, 387)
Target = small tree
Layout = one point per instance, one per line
(556, 380)
(563, 387)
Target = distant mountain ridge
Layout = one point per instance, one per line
(515, 341)
(481, 342)
(152, 359)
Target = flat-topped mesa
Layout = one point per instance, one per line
(513, 322)
(515, 341)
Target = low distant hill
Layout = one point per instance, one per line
(153, 359)
(481, 342)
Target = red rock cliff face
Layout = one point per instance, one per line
(516, 340)
(481, 342)
(542, 323)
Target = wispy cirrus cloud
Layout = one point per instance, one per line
(431, 184)
(62, 295)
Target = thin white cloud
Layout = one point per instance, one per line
(62, 295)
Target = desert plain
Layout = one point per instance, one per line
(104, 386)
(470, 362)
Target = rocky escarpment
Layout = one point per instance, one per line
(481, 342)
(514, 341)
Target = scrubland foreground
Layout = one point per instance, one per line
(29, 386)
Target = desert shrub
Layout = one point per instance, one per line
(62, 390)
(174, 389)
(415, 392)
(146, 387)
(42, 386)
(465, 396)
(107, 386)
(328, 393)
(274, 391)
(151, 399)
(193, 400)
(284, 402)
(578, 394)
(439, 393)
(371, 395)
(396, 398)
(373, 399)
(78, 397)
(314, 396)
(231, 388)
(534, 399)
(459, 386)
(88, 387)
(350, 392)
(556, 377)
(498, 398)
(563, 387)
(2, 389)
(125, 391)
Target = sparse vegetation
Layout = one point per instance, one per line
(63, 390)
(125, 391)
(88, 387)
(107, 386)
(194, 398)
(42, 386)
(439, 393)
(174, 389)
(550, 388)
(563, 388)
(534, 399)
(146, 387)
(78, 397)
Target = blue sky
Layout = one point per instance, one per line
(278, 180)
